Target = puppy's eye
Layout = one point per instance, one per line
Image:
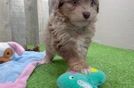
(93, 2)
(75, 2)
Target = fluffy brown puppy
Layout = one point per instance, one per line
(70, 29)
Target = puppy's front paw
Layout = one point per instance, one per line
(85, 70)
(47, 60)
(82, 69)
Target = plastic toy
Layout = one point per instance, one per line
(77, 80)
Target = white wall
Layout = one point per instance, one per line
(115, 26)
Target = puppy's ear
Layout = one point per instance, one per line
(56, 4)
(97, 3)
(60, 3)
(53, 5)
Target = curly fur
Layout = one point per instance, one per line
(69, 34)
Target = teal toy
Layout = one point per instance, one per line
(77, 80)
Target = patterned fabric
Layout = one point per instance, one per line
(14, 74)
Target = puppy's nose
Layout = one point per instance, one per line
(86, 15)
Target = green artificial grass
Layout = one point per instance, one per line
(118, 64)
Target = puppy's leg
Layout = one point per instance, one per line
(83, 49)
(50, 52)
(49, 56)
(83, 53)
(71, 55)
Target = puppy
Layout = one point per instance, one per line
(69, 32)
